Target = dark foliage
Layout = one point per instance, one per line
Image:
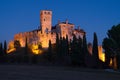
(111, 45)
(17, 44)
(1, 53)
(95, 52)
(50, 52)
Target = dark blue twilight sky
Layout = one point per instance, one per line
(91, 15)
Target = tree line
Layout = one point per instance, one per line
(74, 52)
(71, 53)
(111, 45)
(3, 53)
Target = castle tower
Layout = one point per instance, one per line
(46, 21)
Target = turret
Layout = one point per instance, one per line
(46, 21)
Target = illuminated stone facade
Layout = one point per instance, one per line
(100, 52)
(47, 32)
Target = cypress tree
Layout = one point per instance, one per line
(67, 45)
(26, 46)
(67, 53)
(1, 53)
(80, 53)
(84, 50)
(63, 46)
(50, 51)
(5, 47)
(57, 45)
(1, 49)
(17, 44)
(26, 56)
(5, 51)
(61, 51)
(95, 51)
(57, 48)
(74, 50)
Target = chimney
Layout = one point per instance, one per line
(78, 27)
(66, 21)
(58, 21)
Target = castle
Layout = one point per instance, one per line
(47, 32)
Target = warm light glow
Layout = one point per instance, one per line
(101, 54)
(102, 57)
(11, 50)
(22, 43)
(45, 44)
(10, 45)
(110, 62)
(35, 49)
(113, 63)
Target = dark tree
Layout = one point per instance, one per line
(57, 40)
(17, 44)
(26, 46)
(75, 51)
(64, 46)
(61, 51)
(111, 44)
(64, 49)
(114, 33)
(67, 51)
(84, 50)
(5, 51)
(1, 49)
(39, 46)
(26, 55)
(57, 44)
(5, 47)
(81, 60)
(50, 51)
(95, 52)
(67, 45)
(1, 53)
(58, 48)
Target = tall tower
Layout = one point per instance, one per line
(46, 21)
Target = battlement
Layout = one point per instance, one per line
(47, 12)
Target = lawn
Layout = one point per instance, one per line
(37, 72)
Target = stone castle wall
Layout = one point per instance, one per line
(46, 31)
(35, 38)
